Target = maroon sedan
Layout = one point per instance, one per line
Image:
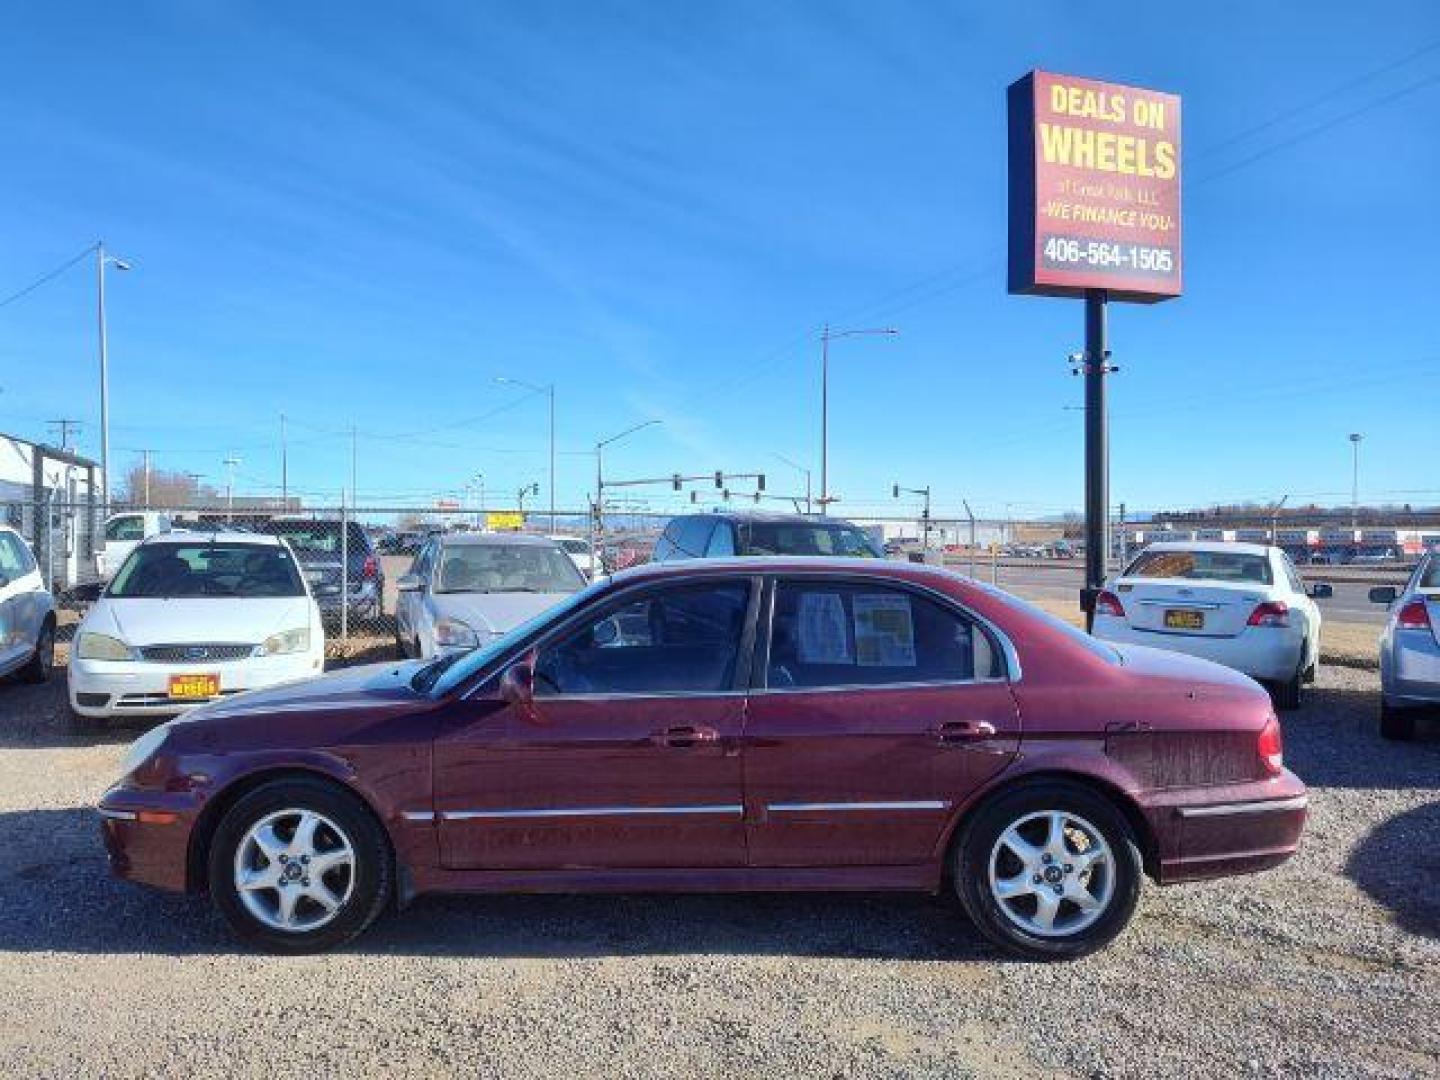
(756, 724)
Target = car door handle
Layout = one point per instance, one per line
(958, 731)
(685, 735)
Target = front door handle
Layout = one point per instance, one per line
(959, 731)
(685, 735)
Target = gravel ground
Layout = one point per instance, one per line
(1329, 966)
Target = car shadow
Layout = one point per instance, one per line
(58, 896)
(1334, 741)
(1405, 840)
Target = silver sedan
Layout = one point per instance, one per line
(1410, 649)
(27, 612)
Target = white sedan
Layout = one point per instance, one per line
(1241, 605)
(192, 617)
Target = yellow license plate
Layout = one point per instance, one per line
(1180, 619)
(193, 687)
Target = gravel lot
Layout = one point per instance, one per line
(1328, 966)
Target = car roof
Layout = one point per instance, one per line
(788, 564)
(217, 536)
(769, 516)
(1230, 547)
(497, 539)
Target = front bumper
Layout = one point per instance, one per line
(1265, 653)
(362, 598)
(107, 688)
(1229, 829)
(147, 835)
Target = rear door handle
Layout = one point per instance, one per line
(685, 735)
(959, 731)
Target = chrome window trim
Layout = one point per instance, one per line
(116, 815)
(900, 804)
(1013, 668)
(588, 811)
(851, 688)
(418, 815)
(1297, 802)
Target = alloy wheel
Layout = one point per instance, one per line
(1052, 873)
(294, 870)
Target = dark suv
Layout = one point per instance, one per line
(714, 536)
(318, 545)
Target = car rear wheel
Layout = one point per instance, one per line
(1396, 724)
(299, 866)
(1050, 870)
(37, 669)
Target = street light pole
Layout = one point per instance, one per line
(826, 336)
(596, 525)
(803, 469)
(101, 259)
(1355, 438)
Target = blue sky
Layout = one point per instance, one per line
(362, 214)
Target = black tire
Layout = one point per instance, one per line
(373, 872)
(1397, 725)
(1286, 695)
(37, 669)
(970, 866)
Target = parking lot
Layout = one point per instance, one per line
(1327, 966)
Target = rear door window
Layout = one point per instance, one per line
(834, 634)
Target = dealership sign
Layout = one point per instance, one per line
(1094, 189)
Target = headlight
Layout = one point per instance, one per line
(288, 641)
(103, 647)
(454, 634)
(143, 749)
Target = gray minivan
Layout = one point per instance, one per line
(717, 536)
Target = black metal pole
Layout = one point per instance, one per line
(1097, 453)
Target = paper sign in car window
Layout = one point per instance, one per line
(821, 630)
(884, 630)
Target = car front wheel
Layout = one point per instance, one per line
(1049, 871)
(298, 866)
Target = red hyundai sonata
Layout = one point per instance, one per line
(754, 724)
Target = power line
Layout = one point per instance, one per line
(46, 278)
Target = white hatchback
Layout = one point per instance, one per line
(1241, 605)
(191, 617)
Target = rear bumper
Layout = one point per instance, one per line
(1270, 654)
(1234, 829)
(1410, 668)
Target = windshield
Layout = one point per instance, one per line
(174, 571)
(805, 538)
(488, 568)
(1092, 645)
(322, 537)
(1202, 566)
(443, 675)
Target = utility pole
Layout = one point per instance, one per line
(1275, 518)
(146, 454)
(231, 464)
(1355, 438)
(826, 336)
(64, 429)
(284, 465)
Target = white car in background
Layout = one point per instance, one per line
(1241, 605)
(191, 617)
(581, 554)
(123, 532)
(466, 589)
(27, 612)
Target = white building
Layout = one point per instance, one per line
(52, 497)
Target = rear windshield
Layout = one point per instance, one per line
(173, 571)
(805, 538)
(506, 568)
(321, 537)
(1202, 566)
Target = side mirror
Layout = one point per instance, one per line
(409, 583)
(1322, 590)
(1384, 594)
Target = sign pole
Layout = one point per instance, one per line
(1097, 452)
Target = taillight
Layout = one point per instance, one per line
(1271, 748)
(369, 568)
(1413, 616)
(1107, 603)
(1270, 613)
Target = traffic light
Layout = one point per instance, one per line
(895, 491)
(675, 481)
(719, 479)
(760, 483)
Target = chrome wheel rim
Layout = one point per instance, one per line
(1052, 874)
(294, 870)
